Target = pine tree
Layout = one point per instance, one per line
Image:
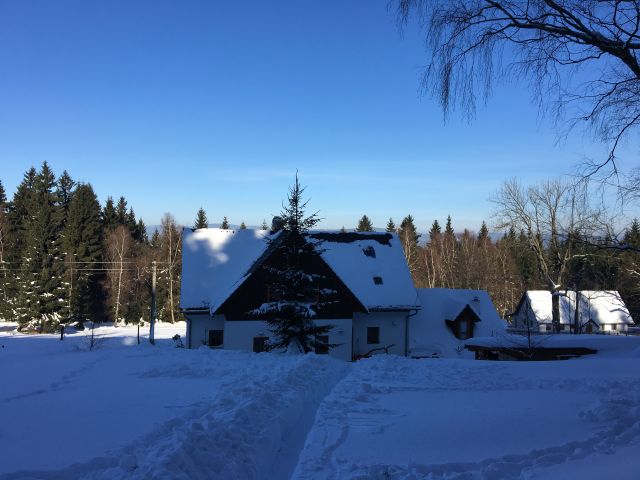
(295, 293)
(435, 230)
(264, 225)
(364, 225)
(391, 227)
(83, 245)
(225, 224)
(243, 226)
(343, 230)
(201, 219)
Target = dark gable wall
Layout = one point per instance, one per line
(253, 292)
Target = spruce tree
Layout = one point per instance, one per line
(364, 225)
(448, 229)
(121, 211)
(435, 230)
(225, 224)
(65, 191)
(43, 289)
(5, 278)
(131, 223)
(109, 216)
(83, 245)
(201, 219)
(483, 234)
(295, 298)
(391, 227)
(632, 235)
(3, 196)
(141, 232)
(264, 225)
(243, 226)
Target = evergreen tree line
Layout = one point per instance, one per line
(507, 266)
(65, 259)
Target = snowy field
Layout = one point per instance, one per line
(124, 410)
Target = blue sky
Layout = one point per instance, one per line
(182, 104)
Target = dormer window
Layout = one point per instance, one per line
(369, 251)
(377, 280)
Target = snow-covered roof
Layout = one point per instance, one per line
(372, 265)
(428, 332)
(216, 262)
(601, 306)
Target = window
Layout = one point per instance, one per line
(216, 338)
(614, 326)
(324, 348)
(463, 328)
(369, 251)
(259, 344)
(547, 327)
(377, 280)
(373, 335)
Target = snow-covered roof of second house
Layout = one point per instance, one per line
(428, 331)
(215, 262)
(372, 265)
(601, 306)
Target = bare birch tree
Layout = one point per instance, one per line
(580, 58)
(170, 256)
(118, 250)
(549, 213)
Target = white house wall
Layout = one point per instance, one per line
(392, 331)
(238, 335)
(199, 326)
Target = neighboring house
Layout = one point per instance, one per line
(223, 279)
(449, 317)
(598, 311)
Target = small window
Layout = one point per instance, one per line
(463, 328)
(547, 327)
(259, 344)
(377, 280)
(216, 338)
(369, 251)
(614, 326)
(373, 335)
(323, 348)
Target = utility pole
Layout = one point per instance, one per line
(152, 319)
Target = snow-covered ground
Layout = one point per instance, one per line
(124, 410)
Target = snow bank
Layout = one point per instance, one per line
(399, 418)
(156, 412)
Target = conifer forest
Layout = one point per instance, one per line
(65, 258)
